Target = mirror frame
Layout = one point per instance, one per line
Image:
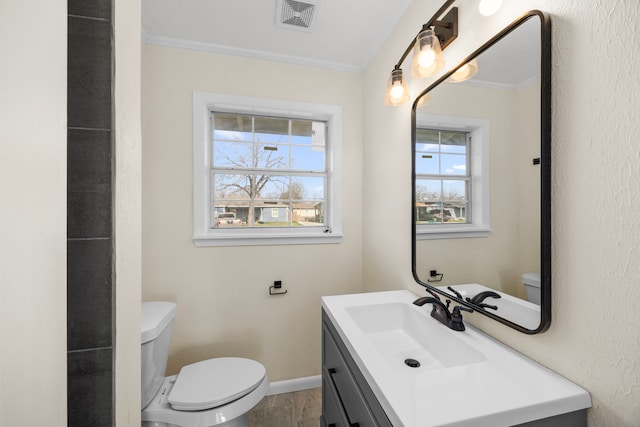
(545, 173)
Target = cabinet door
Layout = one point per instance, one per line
(332, 413)
(343, 378)
(341, 383)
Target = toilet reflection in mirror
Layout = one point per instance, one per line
(480, 211)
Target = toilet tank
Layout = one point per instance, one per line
(531, 283)
(157, 322)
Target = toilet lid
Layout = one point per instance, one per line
(214, 382)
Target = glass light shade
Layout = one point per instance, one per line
(397, 89)
(489, 7)
(427, 55)
(465, 72)
(424, 99)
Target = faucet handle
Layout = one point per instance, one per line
(455, 292)
(425, 300)
(432, 293)
(457, 309)
(479, 298)
(456, 318)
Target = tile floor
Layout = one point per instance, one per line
(299, 409)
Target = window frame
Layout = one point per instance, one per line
(443, 177)
(479, 164)
(203, 234)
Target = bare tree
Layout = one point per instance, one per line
(295, 191)
(262, 157)
(423, 194)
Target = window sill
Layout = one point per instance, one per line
(234, 238)
(451, 232)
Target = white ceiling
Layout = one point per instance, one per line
(513, 60)
(344, 34)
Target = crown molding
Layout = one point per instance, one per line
(495, 85)
(247, 53)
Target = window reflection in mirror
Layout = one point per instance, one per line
(442, 176)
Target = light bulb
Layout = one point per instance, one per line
(489, 7)
(397, 91)
(426, 58)
(427, 55)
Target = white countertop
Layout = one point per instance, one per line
(499, 387)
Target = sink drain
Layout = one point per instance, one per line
(412, 363)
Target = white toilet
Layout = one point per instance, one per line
(214, 392)
(531, 282)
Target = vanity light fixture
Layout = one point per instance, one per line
(465, 72)
(397, 89)
(427, 54)
(489, 7)
(428, 45)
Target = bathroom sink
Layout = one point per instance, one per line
(494, 384)
(401, 331)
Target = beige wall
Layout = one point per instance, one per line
(127, 211)
(593, 338)
(33, 159)
(222, 292)
(33, 203)
(490, 260)
(526, 138)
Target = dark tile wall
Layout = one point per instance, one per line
(89, 214)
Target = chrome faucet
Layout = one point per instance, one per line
(441, 313)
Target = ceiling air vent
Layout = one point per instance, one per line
(295, 14)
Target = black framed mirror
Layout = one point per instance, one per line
(481, 179)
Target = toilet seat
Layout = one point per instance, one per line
(233, 414)
(214, 382)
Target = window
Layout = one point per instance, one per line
(443, 177)
(265, 172)
(451, 177)
(268, 171)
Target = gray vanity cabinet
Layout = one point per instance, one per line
(347, 399)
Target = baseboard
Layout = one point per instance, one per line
(295, 384)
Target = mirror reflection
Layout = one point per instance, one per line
(477, 180)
